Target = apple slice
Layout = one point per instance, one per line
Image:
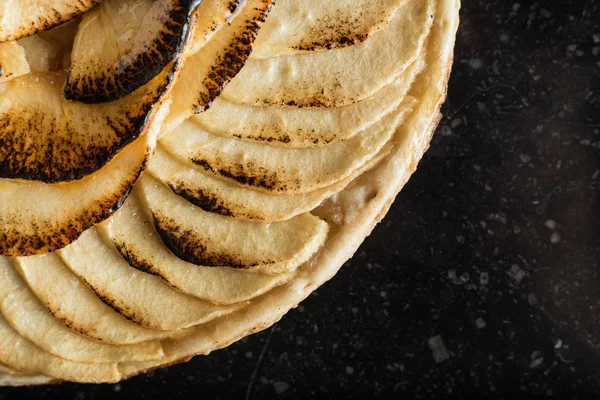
(213, 15)
(305, 127)
(36, 217)
(44, 137)
(208, 239)
(23, 18)
(315, 25)
(220, 196)
(340, 76)
(122, 44)
(76, 305)
(208, 71)
(131, 231)
(276, 169)
(27, 357)
(29, 317)
(153, 304)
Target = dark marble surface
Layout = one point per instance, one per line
(484, 278)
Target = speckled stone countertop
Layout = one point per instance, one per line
(485, 276)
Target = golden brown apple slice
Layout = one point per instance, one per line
(30, 318)
(208, 71)
(37, 217)
(153, 304)
(314, 25)
(122, 44)
(44, 137)
(213, 15)
(132, 232)
(27, 357)
(340, 76)
(209, 239)
(220, 196)
(277, 169)
(26, 17)
(305, 127)
(76, 305)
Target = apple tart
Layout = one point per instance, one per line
(178, 174)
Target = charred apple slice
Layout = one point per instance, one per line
(122, 44)
(23, 18)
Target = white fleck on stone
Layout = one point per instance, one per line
(248, 354)
(525, 158)
(517, 273)
(499, 217)
(281, 387)
(263, 380)
(536, 359)
(572, 47)
(557, 344)
(484, 278)
(516, 7)
(550, 224)
(117, 388)
(456, 122)
(383, 294)
(531, 299)
(438, 349)
(480, 323)
(349, 370)
(555, 238)
(596, 38)
(475, 63)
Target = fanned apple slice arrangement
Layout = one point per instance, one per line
(177, 174)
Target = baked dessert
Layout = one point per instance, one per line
(217, 164)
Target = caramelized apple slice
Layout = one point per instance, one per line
(208, 239)
(23, 18)
(281, 170)
(28, 316)
(122, 44)
(315, 25)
